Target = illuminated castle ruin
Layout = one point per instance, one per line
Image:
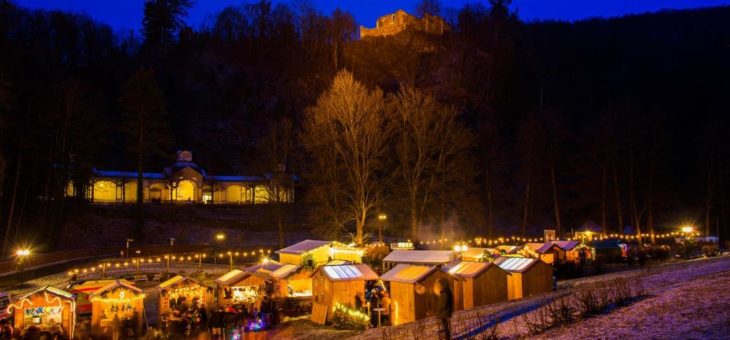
(400, 21)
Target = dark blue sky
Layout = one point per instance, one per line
(126, 14)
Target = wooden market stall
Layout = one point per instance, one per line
(411, 291)
(571, 250)
(333, 285)
(314, 253)
(292, 281)
(182, 293)
(546, 252)
(240, 287)
(479, 283)
(419, 257)
(83, 290)
(49, 309)
(114, 306)
(527, 276)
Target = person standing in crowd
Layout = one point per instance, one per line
(444, 305)
(216, 323)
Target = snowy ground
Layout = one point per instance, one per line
(678, 293)
(696, 309)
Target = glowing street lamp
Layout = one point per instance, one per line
(688, 229)
(381, 220)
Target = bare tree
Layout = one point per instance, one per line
(347, 131)
(429, 137)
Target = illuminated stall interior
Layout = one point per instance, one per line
(116, 302)
(185, 182)
(48, 309)
(338, 285)
(292, 281)
(240, 287)
(182, 292)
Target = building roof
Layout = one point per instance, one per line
(540, 248)
(52, 290)
(284, 271)
(349, 272)
(219, 178)
(420, 256)
(175, 280)
(303, 247)
(408, 273)
(566, 245)
(515, 264)
(476, 252)
(231, 277)
(267, 267)
(115, 284)
(126, 174)
(469, 269)
(508, 248)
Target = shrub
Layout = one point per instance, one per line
(347, 318)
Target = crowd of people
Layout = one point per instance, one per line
(218, 323)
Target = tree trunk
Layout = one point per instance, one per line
(603, 197)
(13, 196)
(490, 206)
(619, 211)
(139, 225)
(279, 223)
(555, 195)
(708, 197)
(650, 203)
(526, 207)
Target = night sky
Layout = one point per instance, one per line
(126, 14)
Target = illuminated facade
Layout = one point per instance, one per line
(185, 182)
(400, 21)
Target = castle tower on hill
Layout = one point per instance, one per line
(400, 21)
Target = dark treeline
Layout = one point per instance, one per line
(617, 121)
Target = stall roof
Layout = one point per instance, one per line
(349, 272)
(469, 269)
(408, 273)
(115, 284)
(566, 245)
(540, 248)
(508, 249)
(303, 247)
(420, 256)
(269, 267)
(284, 271)
(515, 264)
(231, 277)
(175, 280)
(477, 252)
(52, 290)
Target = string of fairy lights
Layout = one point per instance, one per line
(579, 236)
(122, 263)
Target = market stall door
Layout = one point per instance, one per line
(319, 313)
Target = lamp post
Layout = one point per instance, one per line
(22, 255)
(219, 239)
(381, 220)
(230, 260)
(129, 240)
